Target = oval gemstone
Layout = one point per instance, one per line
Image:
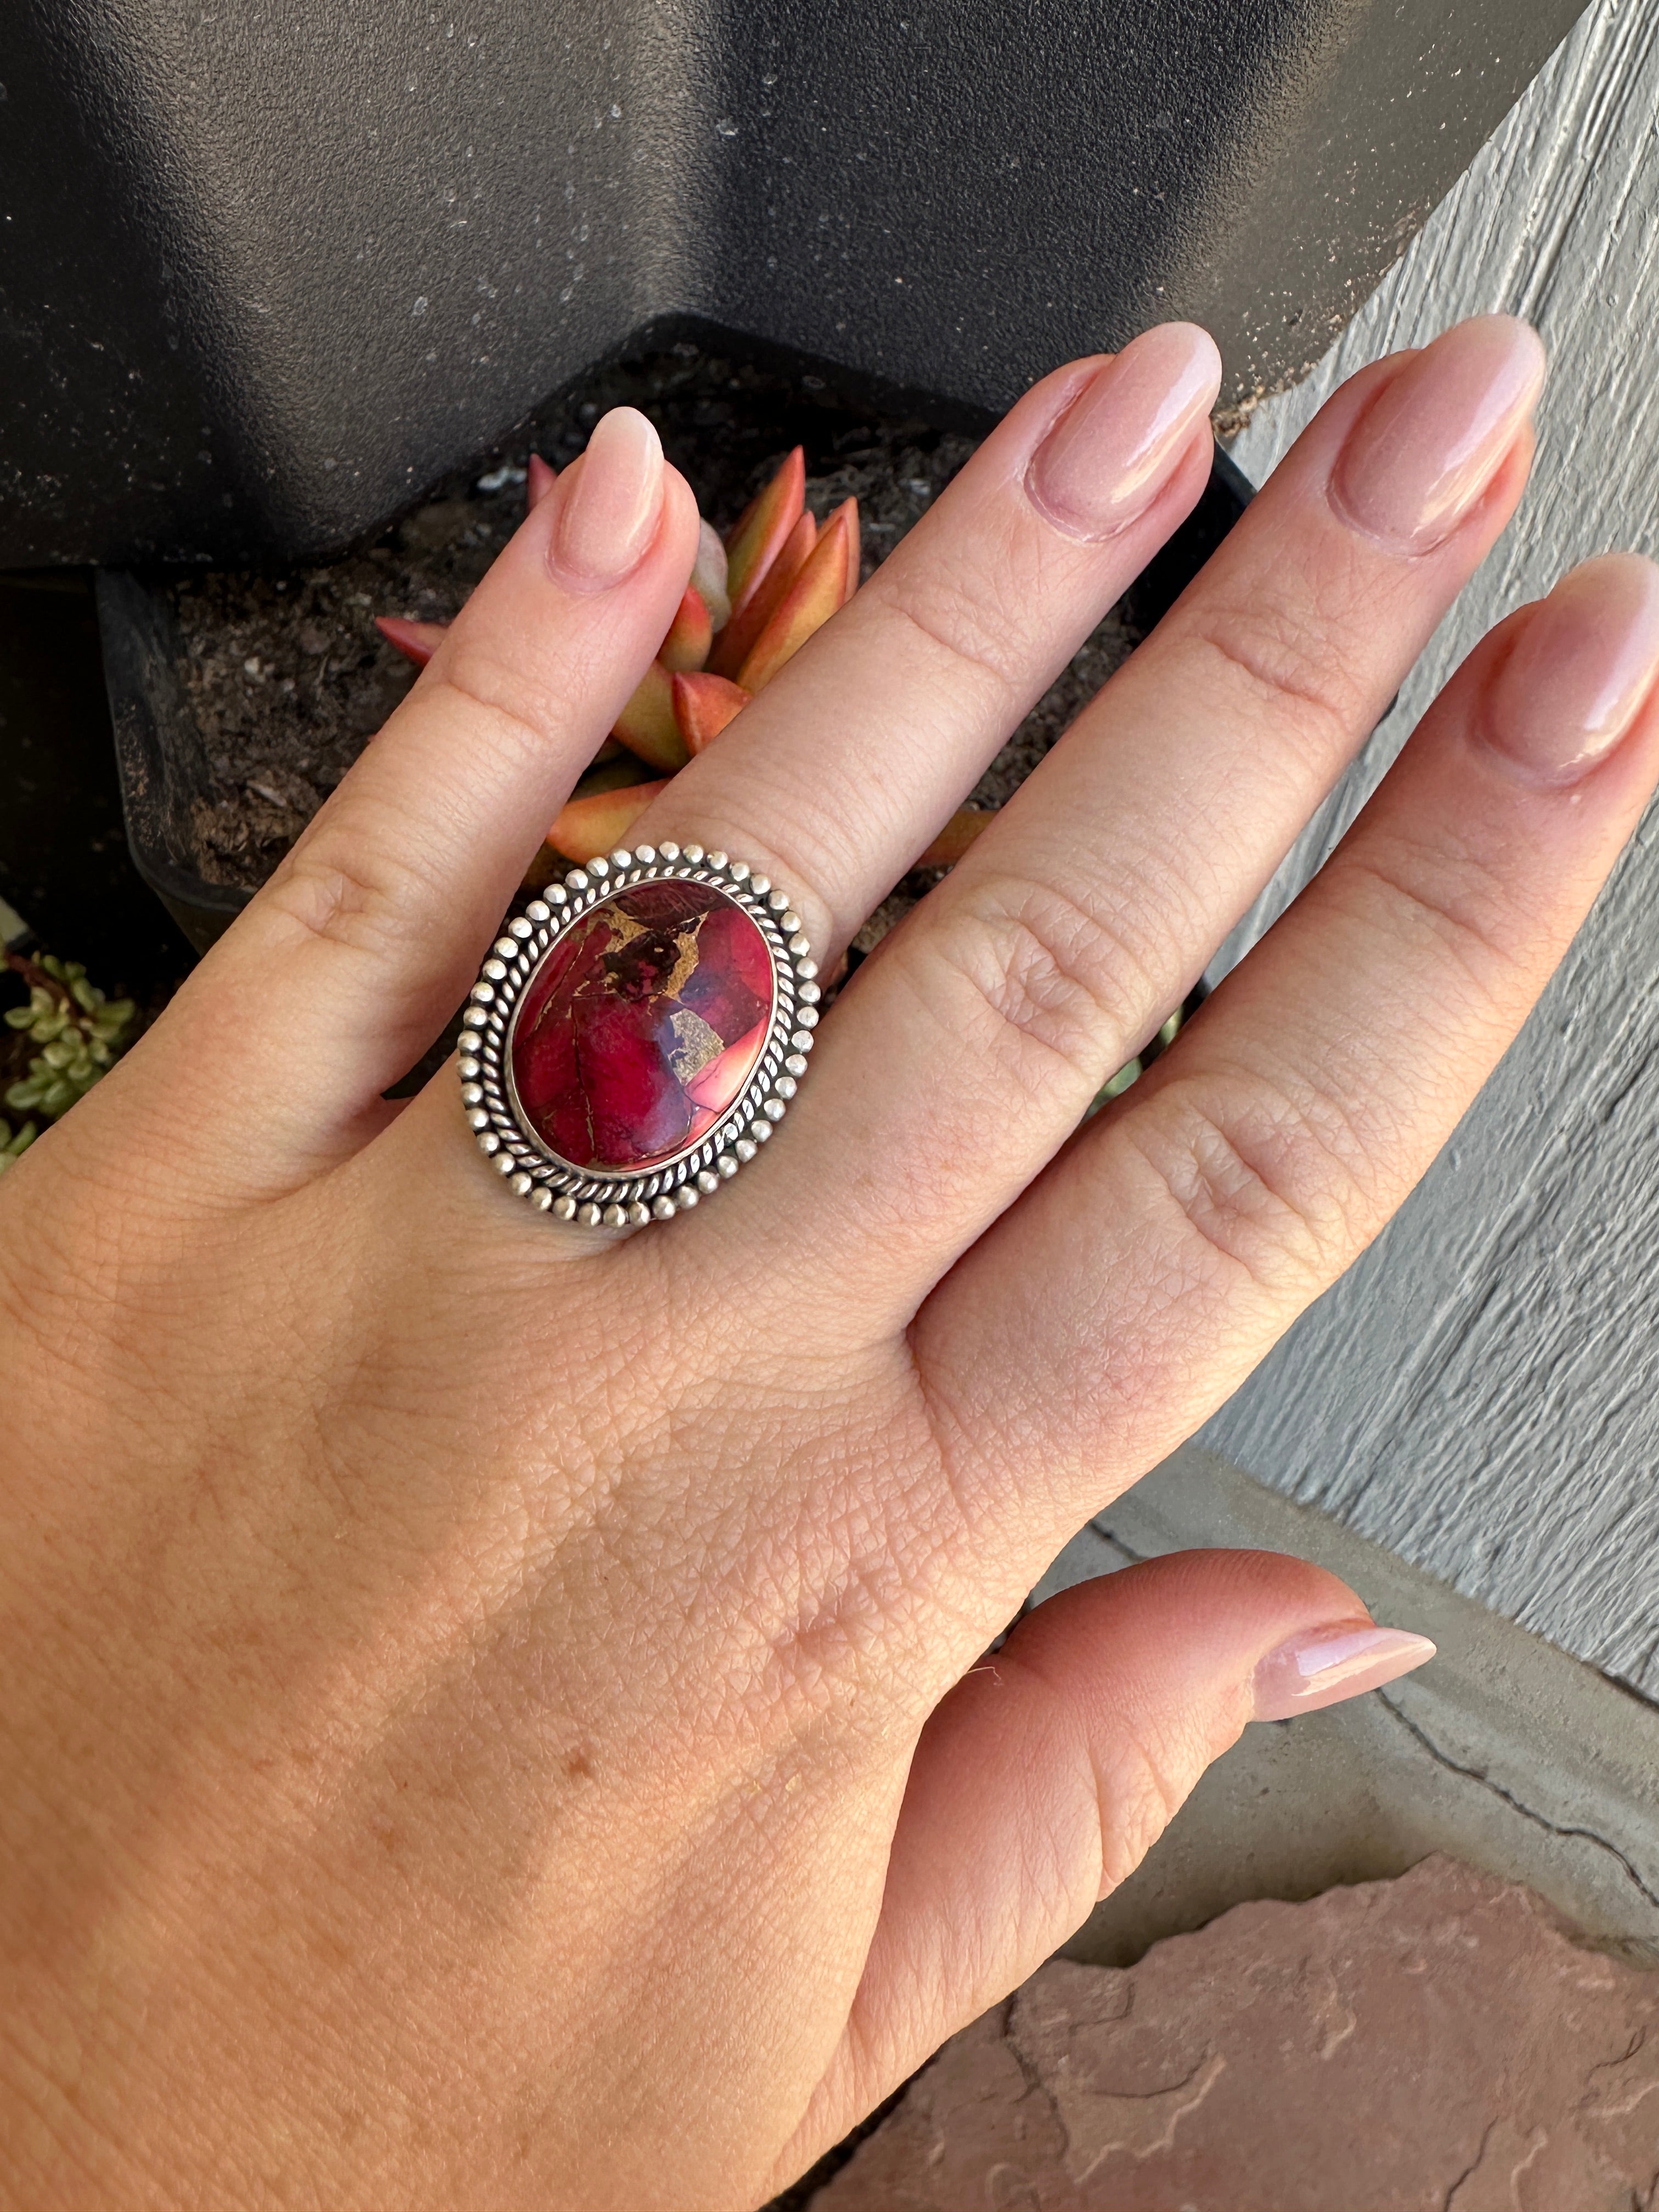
(641, 1026)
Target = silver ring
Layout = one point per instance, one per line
(625, 1050)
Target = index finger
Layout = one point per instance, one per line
(346, 965)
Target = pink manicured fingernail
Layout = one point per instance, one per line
(1322, 1666)
(609, 501)
(1428, 444)
(1105, 460)
(1587, 658)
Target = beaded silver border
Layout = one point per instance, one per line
(534, 1172)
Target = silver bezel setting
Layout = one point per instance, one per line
(619, 1201)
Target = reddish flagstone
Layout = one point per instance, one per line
(642, 1025)
(1442, 2039)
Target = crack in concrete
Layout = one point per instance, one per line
(1527, 1811)
(1135, 1558)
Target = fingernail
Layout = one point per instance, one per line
(1322, 1666)
(1587, 658)
(609, 503)
(1110, 453)
(1427, 446)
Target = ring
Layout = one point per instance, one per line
(636, 1034)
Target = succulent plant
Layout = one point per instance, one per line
(752, 602)
(80, 1031)
(1132, 1070)
(14, 1144)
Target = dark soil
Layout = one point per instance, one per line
(290, 678)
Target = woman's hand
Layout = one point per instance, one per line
(492, 1717)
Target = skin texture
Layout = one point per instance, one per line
(497, 1719)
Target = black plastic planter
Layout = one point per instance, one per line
(163, 760)
(268, 272)
(159, 752)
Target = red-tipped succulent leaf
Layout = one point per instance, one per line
(614, 775)
(689, 635)
(854, 550)
(816, 592)
(416, 641)
(597, 824)
(704, 704)
(539, 479)
(763, 529)
(954, 839)
(708, 574)
(646, 725)
(737, 641)
(785, 578)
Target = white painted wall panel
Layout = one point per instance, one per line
(1482, 1392)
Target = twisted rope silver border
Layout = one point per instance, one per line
(624, 1201)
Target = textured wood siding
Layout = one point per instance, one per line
(1482, 1392)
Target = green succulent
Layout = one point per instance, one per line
(13, 1146)
(1132, 1070)
(1129, 1073)
(80, 1032)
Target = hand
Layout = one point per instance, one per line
(492, 1717)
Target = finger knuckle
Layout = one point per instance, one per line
(1140, 1789)
(1054, 983)
(500, 704)
(1276, 1183)
(343, 895)
(1281, 668)
(1448, 910)
(960, 616)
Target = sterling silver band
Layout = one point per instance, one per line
(624, 1200)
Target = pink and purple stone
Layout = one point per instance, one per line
(641, 1026)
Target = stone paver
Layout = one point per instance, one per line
(1442, 2041)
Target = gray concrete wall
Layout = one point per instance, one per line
(1502, 1750)
(1481, 1393)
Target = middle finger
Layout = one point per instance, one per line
(847, 763)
